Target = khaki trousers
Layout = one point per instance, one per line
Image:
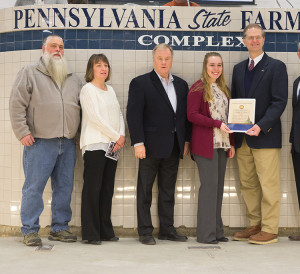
(259, 171)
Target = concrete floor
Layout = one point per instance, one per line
(129, 256)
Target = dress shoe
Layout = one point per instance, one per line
(294, 237)
(246, 233)
(113, 239)
(263, 238)
(147, 240)
(223, 239)
(173, 236)
(93, 242)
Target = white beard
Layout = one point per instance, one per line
(57, 67)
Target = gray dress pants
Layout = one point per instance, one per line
(212, 173)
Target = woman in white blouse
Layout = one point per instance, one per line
(102, 123)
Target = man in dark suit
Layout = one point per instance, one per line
(156, 116)
(295, 138)
(258, 151)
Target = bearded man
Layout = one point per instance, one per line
(45, 114)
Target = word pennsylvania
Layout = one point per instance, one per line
(160, 18)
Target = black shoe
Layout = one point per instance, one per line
(213, 242)
(113, 239)
(223, 239)
(93, 242)
(147, 240)
(294, 237)
(173, 236)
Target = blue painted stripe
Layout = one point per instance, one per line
(128, 40)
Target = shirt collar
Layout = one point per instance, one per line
(171, 79)
(256, 59)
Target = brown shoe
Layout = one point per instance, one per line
(294, 237)
(246, 233)
(263, 238)
(32, 239)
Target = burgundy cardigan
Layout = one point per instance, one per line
(202, 124)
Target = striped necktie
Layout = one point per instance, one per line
(251, 66)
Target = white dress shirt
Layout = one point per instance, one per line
(256, 59)
(170, 90)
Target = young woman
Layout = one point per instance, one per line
(102, 123)
(207, 109)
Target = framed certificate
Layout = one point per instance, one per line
(241, 114)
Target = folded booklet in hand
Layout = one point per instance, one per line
(110, 153)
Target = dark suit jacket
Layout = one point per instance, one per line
(270, 89)
(151, 118)
(295, 130)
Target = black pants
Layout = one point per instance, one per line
(98, 189)
(296, 164)
(166, 170)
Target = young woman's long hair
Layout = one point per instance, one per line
(208, 96)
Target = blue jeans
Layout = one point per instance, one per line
(46, 158)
